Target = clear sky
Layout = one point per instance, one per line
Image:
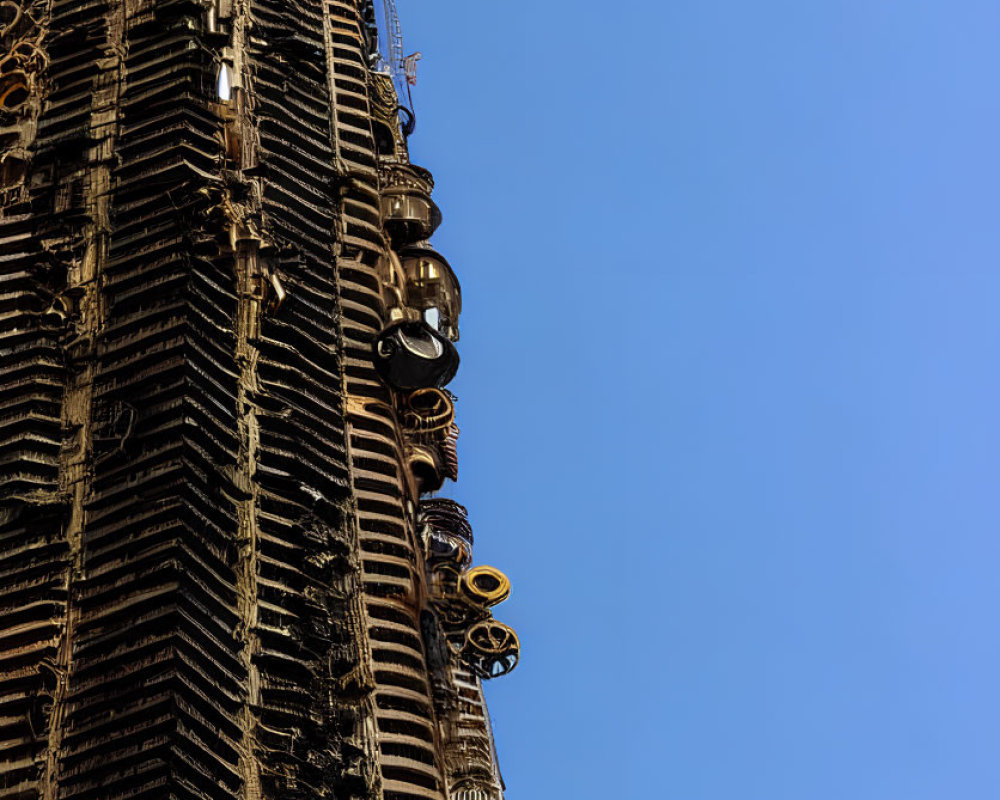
(730, 393)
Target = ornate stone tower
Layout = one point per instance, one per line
(224, 342)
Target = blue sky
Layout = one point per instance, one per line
(730, 392)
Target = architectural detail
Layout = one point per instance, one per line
(225, 339)
(466, 646)
(431, 437)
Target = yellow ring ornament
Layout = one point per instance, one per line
(491, 648)
(14, 94)
(485, 586)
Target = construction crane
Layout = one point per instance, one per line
(402, 68)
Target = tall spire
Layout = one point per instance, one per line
(225, 341)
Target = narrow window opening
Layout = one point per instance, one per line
(433, 317)
(224, 86)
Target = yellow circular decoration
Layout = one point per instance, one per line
(485, 586)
